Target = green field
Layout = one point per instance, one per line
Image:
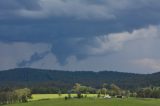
(55, 100)
(54, 96)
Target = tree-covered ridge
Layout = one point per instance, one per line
(66, 79)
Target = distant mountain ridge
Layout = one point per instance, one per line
(34, 77)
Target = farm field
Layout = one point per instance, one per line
(54, 100)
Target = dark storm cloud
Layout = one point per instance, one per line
(35, 57)
(70, 25)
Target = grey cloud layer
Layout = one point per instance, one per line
(79, 31)
(137, 51)
(80, 9)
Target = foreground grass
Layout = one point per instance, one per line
(93, 102)
(54, 100)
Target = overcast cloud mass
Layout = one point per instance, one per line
(81, 35)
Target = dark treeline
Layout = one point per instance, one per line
(48, 90)
(9, 96)
(35, 78)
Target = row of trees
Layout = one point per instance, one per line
(109, 89)
(83, 89)
(112, 90)
(15, 96)
(150, 92)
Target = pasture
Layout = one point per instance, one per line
(55, 100)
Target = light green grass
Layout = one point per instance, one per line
(54, 96)
(56, 101)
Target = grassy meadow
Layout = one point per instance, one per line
(55, 100)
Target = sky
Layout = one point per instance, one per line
(80, 35)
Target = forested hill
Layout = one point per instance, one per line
(55, 78)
